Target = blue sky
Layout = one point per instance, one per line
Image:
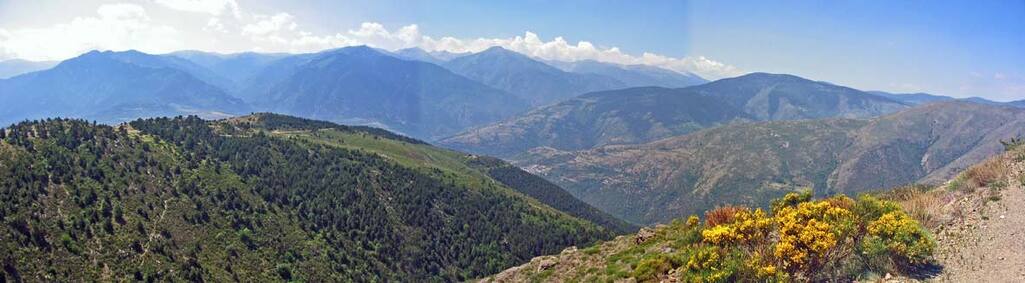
(956, 48)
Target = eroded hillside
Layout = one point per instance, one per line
(751, 163)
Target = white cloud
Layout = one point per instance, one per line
(115, 27)
(281, 29)
(270, 25)
(215, 24)
(212, 7)
(559, 49)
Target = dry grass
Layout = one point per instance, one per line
(927, 207)
(922, 202)
(986, 173)
(722, 215)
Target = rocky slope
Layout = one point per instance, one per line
(980, 229)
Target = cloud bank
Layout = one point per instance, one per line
(115, 26)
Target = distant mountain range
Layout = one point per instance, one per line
(639, 115)
(631, 75)
(922, 98)
(359, 85)
(115, 87)
(434, 57)
(751, 163)
(912, 98)
(429, 95)
(239, 68)
(14, 67)
(424, 94)
(531, 80)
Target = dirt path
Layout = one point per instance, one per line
(153, 233)
(989, 245)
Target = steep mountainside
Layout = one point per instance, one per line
(533, 81)
(359, 85)
(750, 163)
(626, 116)
(14, 67)
(172, 62)
(639, 115)
(631, 75)
(173, 199)
(112, 87)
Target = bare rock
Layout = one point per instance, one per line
(569, 250)
(644, 235)
(546, 264)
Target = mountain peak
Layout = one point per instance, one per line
(357, 50)
(771, 76)
(412, 50)
(498, 50)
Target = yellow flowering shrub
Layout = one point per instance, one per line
(801, 240)
(790, 199)
(870, 208)
(693, 221)
(703, 259)
(746, 227)
(900, 235)
(764, 268)
(709, 265)
(808, 232)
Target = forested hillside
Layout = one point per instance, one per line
(186, 199)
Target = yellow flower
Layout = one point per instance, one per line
(692, 221)
(809, 230)
(902, 236)
(747, 227)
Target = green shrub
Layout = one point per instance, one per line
(1013, 143)
(709, 264)
(870, 208)
(791, 199)
(650, 268)
(901, 237)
